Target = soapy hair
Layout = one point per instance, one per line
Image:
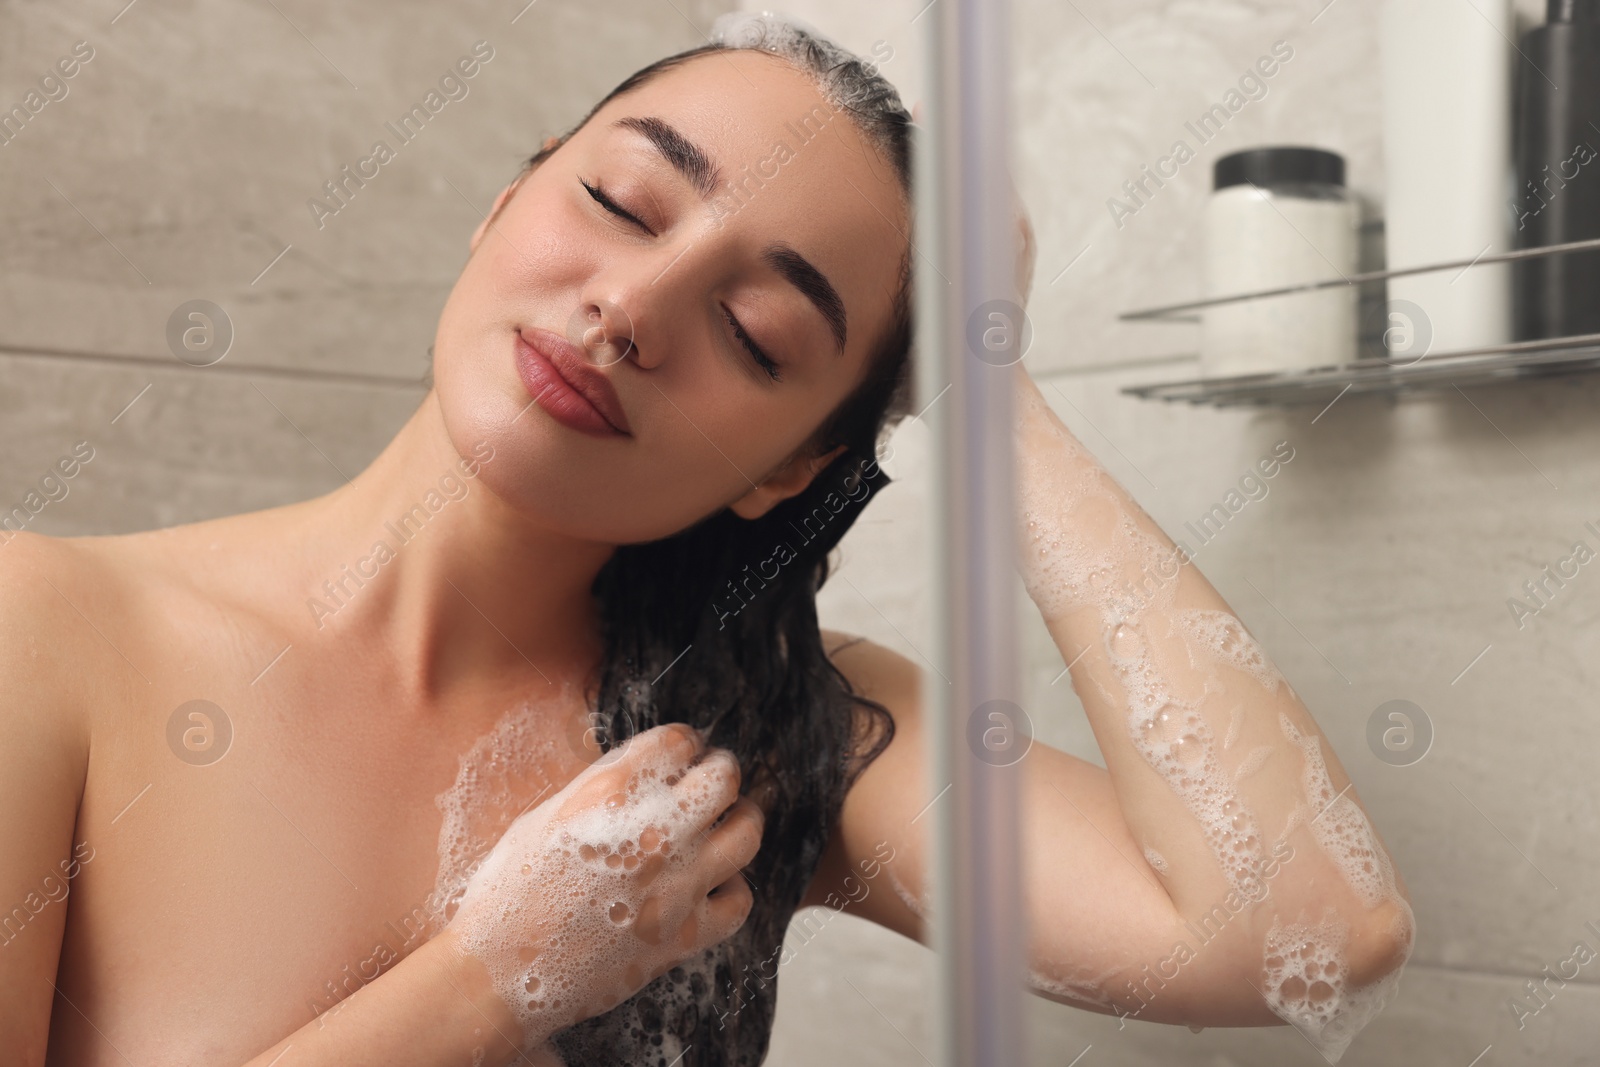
(716, 625)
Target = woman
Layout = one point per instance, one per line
(324, 778)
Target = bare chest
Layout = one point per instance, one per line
(251, 854)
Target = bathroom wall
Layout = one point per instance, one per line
(179, 168)
(181, 165)
(1377, 567)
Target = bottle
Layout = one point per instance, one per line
(1558, 173)
(1447, 168)
(1277, 216)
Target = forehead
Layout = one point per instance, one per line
(789, 165)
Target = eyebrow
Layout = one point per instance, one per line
(689, 160)
(812, 285)
(684, 155)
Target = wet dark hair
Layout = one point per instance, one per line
(716, 625)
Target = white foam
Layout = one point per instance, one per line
(1307, 985)
(612, 867)
(1252, 763)
(1235, 720)
(495, 778)
(1221, 633)
(1155, 859)
(1176, 740)
(1341, 827)
(1080, 988)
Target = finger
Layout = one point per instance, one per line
(667, 749)
(712, 785)
(680, 743)
(593, 785)
(724, 911)
(731, 845)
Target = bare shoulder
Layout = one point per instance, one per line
(44, 756)
(46, 660)
(875, 672)
(876, 822)
(38, 577)
(890, 680)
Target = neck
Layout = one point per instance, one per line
(415, 560)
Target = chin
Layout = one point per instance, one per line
(534, 466)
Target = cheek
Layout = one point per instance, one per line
(543, 248)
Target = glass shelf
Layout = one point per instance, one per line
(1382, 373)
(1535, 359)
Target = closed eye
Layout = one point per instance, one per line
(754, 349)
(612, 206)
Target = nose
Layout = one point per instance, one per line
(603, 329)
(632, 306)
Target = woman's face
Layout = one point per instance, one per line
(751, 201)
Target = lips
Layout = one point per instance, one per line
(562, 381)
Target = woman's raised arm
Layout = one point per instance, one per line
(1227, 786)
(1220, 871)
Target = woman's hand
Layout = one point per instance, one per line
(628, 870)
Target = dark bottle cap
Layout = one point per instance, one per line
(1277, 166)
(1573, 11)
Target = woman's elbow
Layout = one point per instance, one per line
(1388, 933)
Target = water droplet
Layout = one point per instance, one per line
(532, 984)
(620, 912)
(1125, 641)
(1189, 748)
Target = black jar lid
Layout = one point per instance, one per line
(1278, 166)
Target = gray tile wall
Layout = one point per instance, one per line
(180, 165)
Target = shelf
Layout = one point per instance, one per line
(1379, 374)
(1530, 359)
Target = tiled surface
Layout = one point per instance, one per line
(181, 162)
(193, 445)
